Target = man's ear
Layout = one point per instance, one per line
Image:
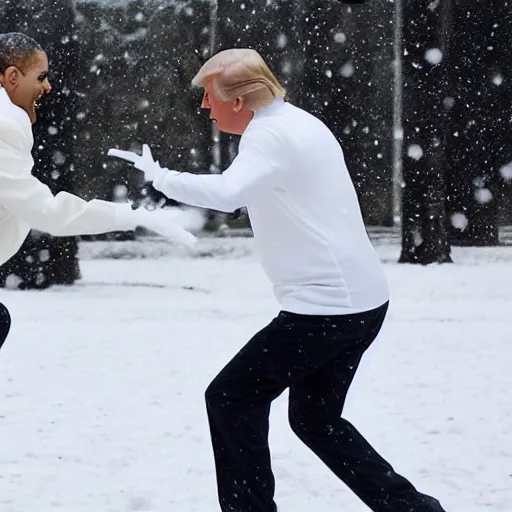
(10, 78)
(238, 105)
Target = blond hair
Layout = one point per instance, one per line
(240, 72)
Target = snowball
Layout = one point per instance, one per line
(459, 221)
(497, 79)
(432, 6)
(479, 182)
(286, 68)
(44, 255)
(58, 157)
(449, 102)
(120, 192)
(415, 151)
(483, 195)
(348, 69)
(12, 281)
(506, 171)
(434, 56)
(282, 40)
(143, 104)
(340, 37)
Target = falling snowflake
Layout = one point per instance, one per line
(434, 56)
(340, 37)
(497, 79)
(506, 171)
(348, 69)
(459, 221)
(483, 196)
(415, 152)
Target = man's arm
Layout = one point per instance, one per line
(262, 161)
(32, 202)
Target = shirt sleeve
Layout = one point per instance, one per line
(29, 200)
(262, 161)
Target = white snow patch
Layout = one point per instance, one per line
(102, 385)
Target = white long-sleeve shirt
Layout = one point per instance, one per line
(309, 233)
(26, 203)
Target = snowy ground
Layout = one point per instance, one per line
(101, 384)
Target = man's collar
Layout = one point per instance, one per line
(8, 108)
(270, 109)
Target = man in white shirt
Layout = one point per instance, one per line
(310, 236)
(25, 202)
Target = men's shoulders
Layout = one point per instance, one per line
(269, 126)
(15, 133)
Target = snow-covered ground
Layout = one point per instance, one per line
(101, 384)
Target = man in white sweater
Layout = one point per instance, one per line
(309, 233)
(25, 202)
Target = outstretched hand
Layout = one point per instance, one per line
(164, 223)
(144, 162)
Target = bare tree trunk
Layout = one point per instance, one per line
(480, 119)
(424, 219)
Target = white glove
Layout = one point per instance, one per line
(160, 221)
(145, 162)
(164, 223)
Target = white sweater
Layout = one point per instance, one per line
(309, 233)
(26, 203)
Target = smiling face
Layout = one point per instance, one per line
(26, 83)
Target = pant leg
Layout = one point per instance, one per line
(5, 323)
(315, 408)
(288, 350)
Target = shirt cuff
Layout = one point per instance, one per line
(124, 217)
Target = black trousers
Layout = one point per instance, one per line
(316, 357)
(5, 323)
